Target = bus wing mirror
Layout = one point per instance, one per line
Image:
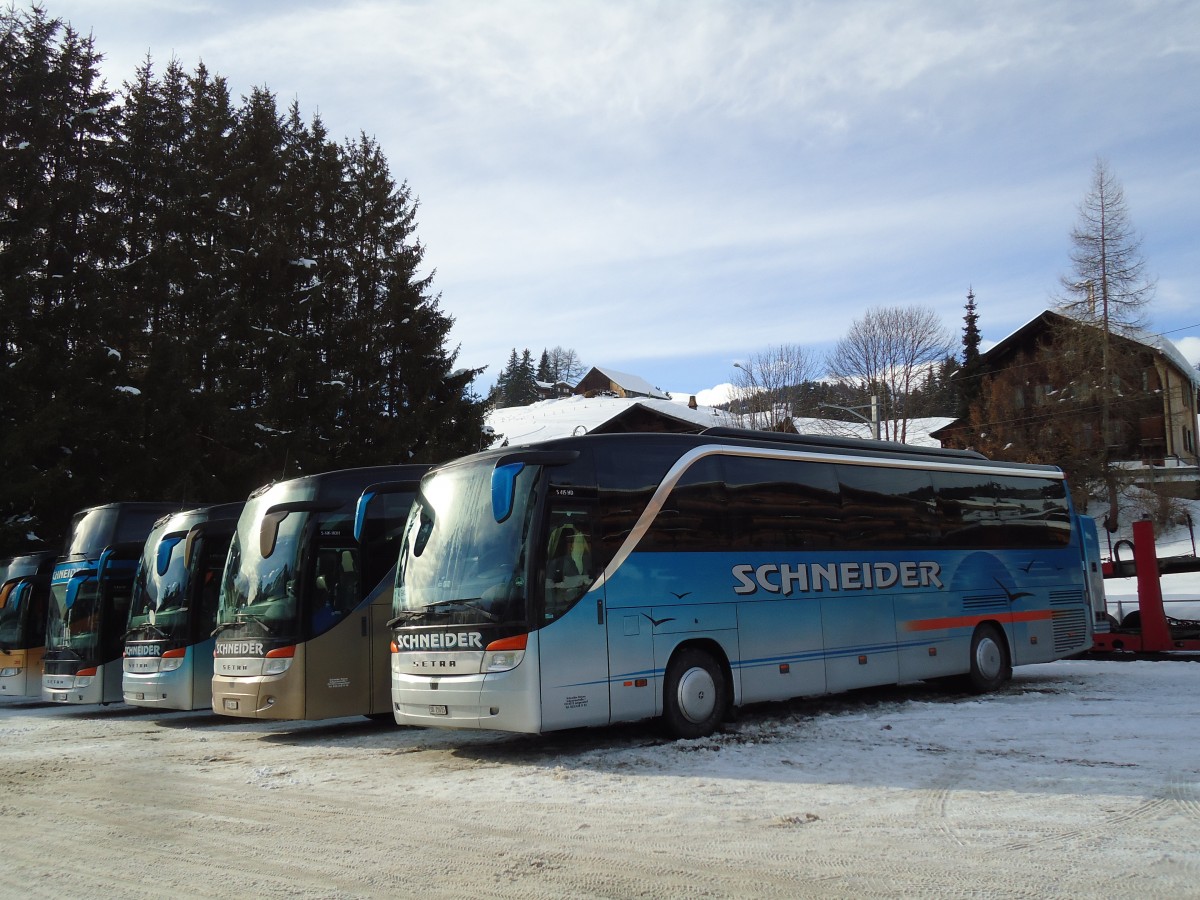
(166, 546)
(268, 532)
(217, 527)
(504, 481)
(509, 466)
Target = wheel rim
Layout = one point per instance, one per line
(988, 658)
(697, 695)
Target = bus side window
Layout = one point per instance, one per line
(569, 563)
(212, 566)
(338, 586)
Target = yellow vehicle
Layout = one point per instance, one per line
(24, 591)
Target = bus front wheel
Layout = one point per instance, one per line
(990, 665)
(695, 695)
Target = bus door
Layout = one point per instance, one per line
(206, 549)
(573, 642)
(114, 575)
(338, 659)
(379, 521)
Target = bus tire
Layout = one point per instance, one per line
(991, 666)
(695, 694)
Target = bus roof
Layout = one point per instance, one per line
(361, 477)
(842, 446)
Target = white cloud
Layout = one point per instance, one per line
(658, 181)
(714, 396)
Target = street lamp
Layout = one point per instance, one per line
(754, 390)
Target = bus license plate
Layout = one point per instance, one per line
(439, 710)
(230, 704)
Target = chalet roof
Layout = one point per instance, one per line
(631, 383)
(1156, 342)
(549, 419)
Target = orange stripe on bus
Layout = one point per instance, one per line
(1033, 615)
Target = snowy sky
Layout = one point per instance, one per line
(670, 186)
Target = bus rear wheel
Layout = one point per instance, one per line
(695, 695)
(991, 667)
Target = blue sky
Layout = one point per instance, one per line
(670, 186)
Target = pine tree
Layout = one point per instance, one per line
(544, 373)
(517, 384)
(61, 398)
(407, 401)
(195, 299)
(967, 381)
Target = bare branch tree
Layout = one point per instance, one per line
(886, 354)
(763, 383)
(565, 365)
(1108, 285)
(1107, 288)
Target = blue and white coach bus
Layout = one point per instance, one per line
(90, 590)
(609, 578)
(168, 641)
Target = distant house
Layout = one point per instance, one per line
(602, 382)
(551, 390)
(1051, 392)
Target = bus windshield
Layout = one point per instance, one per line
(94, 529)
(457, 563)
(260, 587)
(12, 613)
(160, 588)
(75, 617)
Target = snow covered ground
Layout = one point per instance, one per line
(1081, 779)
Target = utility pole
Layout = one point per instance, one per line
(873, 421)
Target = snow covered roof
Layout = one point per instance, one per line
(917, 431)
(566, 416)
(1156, 342)
(563, 417)
(1168, 349)
(632, 383)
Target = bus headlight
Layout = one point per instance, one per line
(276, 666)
(10, 670)
(171, 660)
(82, 681)
(505, 654)
(278, 660)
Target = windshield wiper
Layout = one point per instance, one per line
(262, 623)
(409, 614)
(240, 618)
(145, 626)
(438, 608)
(467, 603)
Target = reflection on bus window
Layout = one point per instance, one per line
(569, 564)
